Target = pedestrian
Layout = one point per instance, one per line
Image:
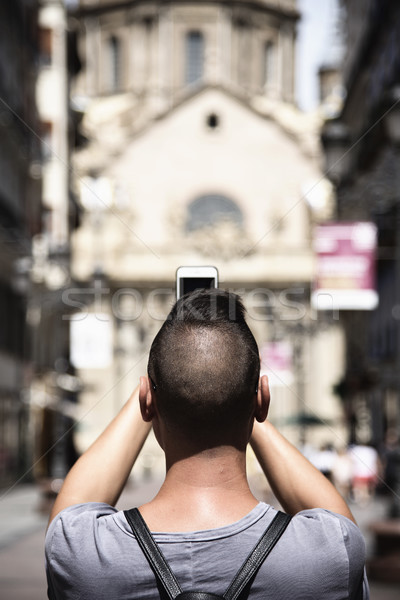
(342, 472)
(325, 460)
(366, 469)
(391, 469)
(205, 401)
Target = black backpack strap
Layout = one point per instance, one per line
(257, 555)
(249, 568)
(153, 553)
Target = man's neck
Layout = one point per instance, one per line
(203, 490)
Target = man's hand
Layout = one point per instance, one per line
(100, 474)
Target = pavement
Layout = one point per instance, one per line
(22, 531)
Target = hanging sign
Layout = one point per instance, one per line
(345, 269)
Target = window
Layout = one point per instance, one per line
(47, 139)
(213, 121)
(194, 57)
(12, 322)
(115, 63)
(211, 209)
(45, 43)
(269, 64)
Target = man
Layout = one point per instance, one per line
(205, 402)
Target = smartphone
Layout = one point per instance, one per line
(189, 279)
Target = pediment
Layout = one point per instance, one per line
(113, 123)
(241, 156)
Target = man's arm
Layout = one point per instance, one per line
(100, 474)
(297, 484)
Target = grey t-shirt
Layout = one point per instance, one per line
(92, 554)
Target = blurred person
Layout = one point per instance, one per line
(366, 469)
(391, 469)
(342, 472)
(325, 459)
(205, 400)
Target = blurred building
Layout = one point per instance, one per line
(20, 221)
(37, 214)
(54, 386)
(195, 154)
(362, 153)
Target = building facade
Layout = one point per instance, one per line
(361, 147)
(20, 211)
(54, 385)
(195, 154)
(37, 214)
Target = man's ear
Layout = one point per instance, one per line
(146, 399)
(263, 398)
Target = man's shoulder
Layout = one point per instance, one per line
(320, 521)
(94, 509)
(316, 516)
(73, 519)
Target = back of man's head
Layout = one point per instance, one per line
(204, 363)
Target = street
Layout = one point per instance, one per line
(22, 532)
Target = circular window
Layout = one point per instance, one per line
(208, 210)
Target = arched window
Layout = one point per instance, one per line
(194, 57)
(211, 209)
(114, 49)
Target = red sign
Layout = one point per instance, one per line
(345, 277)
(276, 362)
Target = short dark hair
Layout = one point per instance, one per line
(204, 364)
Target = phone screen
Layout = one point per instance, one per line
(190, 284)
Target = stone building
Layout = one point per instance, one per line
(54, 385)
(196, 154)
(364, 136)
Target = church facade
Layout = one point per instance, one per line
(194, 153)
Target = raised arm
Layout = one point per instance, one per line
(297, 484)
(100, 474)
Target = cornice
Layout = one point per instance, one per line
(275, 7)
